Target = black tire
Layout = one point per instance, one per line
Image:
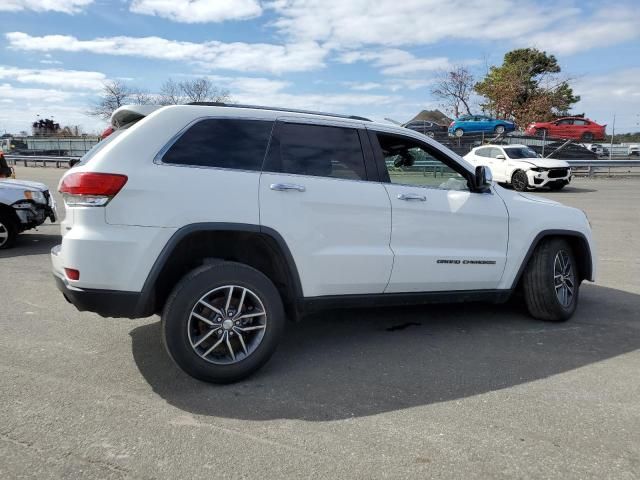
(519, 181)
(539, 285)
(499, 129)
(186, 296)
(541, 132)
(8, 231)
(588, 136)
(458, 132)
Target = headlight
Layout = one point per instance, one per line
(35, 195)
(538, 169)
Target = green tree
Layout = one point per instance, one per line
(527, 87)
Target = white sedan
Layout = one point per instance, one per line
(521, 167)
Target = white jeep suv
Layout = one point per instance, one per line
(228, 219)
(521, 167)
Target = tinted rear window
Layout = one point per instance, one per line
(222, 143)
(320, 151)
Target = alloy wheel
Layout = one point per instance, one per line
(4, 234)
(519, 181)
(227, 324)
(563, 278)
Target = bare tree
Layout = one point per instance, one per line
(114, 94)
(196, 90)
(142, 97)
(170, 93)
(454, 89)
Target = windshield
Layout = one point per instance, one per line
(521, 152)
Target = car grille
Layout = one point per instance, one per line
(558, 172)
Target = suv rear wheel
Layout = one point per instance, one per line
(550, 282)
(222, 322)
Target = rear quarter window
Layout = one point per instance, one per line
(222, 143)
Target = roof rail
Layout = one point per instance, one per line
(279, 109)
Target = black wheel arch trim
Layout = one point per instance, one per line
(588, 265)
(146, 301)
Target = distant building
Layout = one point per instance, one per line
(45, 127)
(435, 116)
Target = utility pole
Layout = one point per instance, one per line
(613, 132)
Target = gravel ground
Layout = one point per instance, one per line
(463, 391)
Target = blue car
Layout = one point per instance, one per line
(479, 124)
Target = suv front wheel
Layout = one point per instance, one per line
(222, 322)
(550, 281)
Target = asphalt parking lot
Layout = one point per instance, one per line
(463, 391)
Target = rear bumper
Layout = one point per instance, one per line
(106, 303)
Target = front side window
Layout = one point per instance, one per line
(483, 152)
(495, 152)
(580, 122)
(319, 151)
(567, 121)
(409, 162)
(222, 143)
(520, 152)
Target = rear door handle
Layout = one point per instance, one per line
(412, 196)
(283, 187)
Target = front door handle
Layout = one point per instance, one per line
(283, 187)
(412, 196)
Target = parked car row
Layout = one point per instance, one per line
(574, 128)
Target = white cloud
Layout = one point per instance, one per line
(393, 61)
(608, 27)
(212, 55)
(412, 22)
(63, 6)
(9, 92)
(64, 79)
(273, 93)
(363, 86)
(198, 11)
(559, 27)
(617, 93)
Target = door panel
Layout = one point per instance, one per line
(337, 230)
(315, 192)
(437, 241)
(444, 237)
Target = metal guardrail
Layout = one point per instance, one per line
(41, 160)
(591, 166)
(579, 167)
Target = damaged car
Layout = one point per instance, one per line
(23, 205)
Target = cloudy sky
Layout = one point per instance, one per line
(368, 57)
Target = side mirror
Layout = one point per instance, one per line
(500, 157)
(483, 179)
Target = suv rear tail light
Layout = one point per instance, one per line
(451, 124)
(88, 189)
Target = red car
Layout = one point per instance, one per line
(575, 128)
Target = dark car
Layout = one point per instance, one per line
(573, 151)
(428, 128)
